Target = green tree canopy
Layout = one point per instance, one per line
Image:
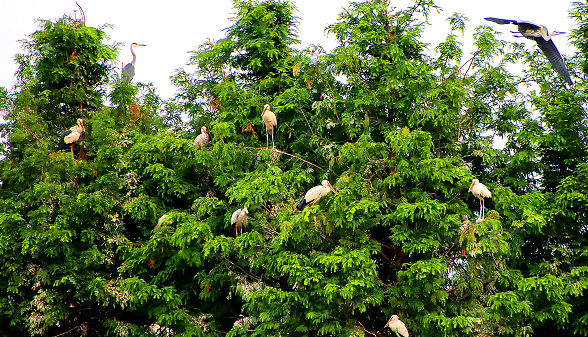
(133, 235)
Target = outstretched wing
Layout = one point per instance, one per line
(548, 48)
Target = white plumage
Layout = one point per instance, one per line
(71, 136)
(239, 219)
(270, 121)
(482, 192)
(397, 326)
(314, 194)
(202, 138)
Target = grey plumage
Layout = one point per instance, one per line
(128, 72)
(540, 35)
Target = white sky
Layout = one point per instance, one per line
(172, 28)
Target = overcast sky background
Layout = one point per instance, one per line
(172, 28)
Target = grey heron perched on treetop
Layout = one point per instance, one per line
(202, 138)
(482, 192)
(314, 194)
(540, 35)
(71, 136)
(270, 121)
(128, 71)
(397, 326)
(239, 219)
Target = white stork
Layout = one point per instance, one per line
(314, 194)
(239, 219)
(202, 138)
(271, 122)
(397, 326)
(482, 192)
(71, 136)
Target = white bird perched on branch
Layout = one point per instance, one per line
(239, 219)
(314, 194)
(271, 122)
(397, 326)
(202, 138)
(71, 136)
(482, 192)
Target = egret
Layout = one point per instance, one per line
(71, 136)
(270, 121)
(482, 192)
(129, 70)
(314, 194)
(202, 138)
(540, 35)
(239, 219)
(397, 326)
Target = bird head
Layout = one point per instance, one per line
(204, 130)
(81, 124)
(555, 32)
(135, 44)
(392, 318)
(245, 210)
(474, 183)
(326, 183)
(265, 108)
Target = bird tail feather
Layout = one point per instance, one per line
(489, 203)
(301, 204)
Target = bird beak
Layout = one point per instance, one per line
(471, 186)
(332, 189)
(142, 45)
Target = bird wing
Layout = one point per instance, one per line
(548, 48)
(235, 216)
(128, 72)
(201, 139)
(71, 136)
(520, 23)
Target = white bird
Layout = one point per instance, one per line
(314, 194)
(239, 219)
(162, 220)
(128, 71)
(71, 136)
(540, 35)
(270, 121)
(397, 326)
(482, 192)
(202, 138)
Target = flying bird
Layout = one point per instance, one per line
(270, 121)
(397, 326)
(540, 35)
(202, 138)
(482, 192)
(71, 136)
(239, 220)
(314, 194)
(129, 70)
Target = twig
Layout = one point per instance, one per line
(31, 132)
(279, 151)
(303, 114)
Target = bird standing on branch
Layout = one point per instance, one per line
(314, 194)
(482, 192)
(239, 220)
(128, 71)
(270, 121)
(397, 326)
(540, 35)
(71, 136)
(202, 138)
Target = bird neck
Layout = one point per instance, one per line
(134, 56)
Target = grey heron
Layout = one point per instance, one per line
(129, 70)
(397, 326)
(314, 194)
(71, 136)
(482, 192)
(270, 121)
(239, 220)
(540, 35)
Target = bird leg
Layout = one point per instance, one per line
(266, 140)
(273, 145)
(482, 201)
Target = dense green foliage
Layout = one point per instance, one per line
(400, 133)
